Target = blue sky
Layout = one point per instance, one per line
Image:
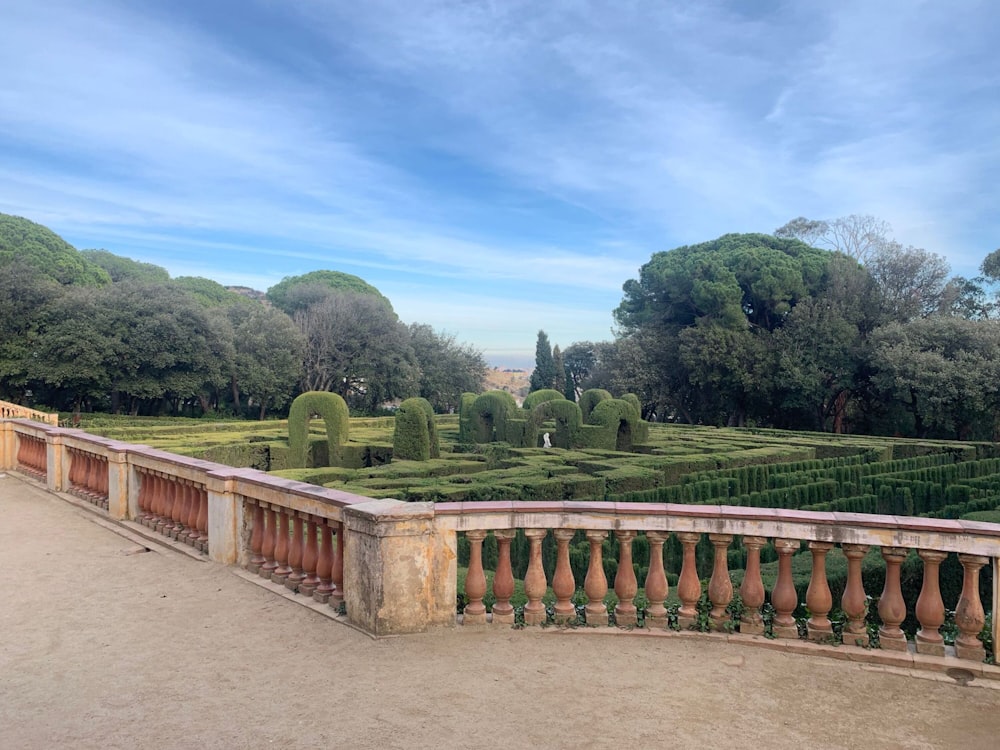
(493, 167)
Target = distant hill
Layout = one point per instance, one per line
(511, 380)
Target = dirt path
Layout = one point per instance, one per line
(105, 646)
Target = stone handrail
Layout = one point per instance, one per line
(393, 565)
(16, 411)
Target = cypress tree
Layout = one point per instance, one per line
(544, 374)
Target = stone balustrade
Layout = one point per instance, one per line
(977, 544)
(88, 476)
(16, 411)
(392, 566)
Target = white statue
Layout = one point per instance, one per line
(546, 443)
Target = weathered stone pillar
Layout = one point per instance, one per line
(270, 542)
(688, 585)
(503, 579)
(720, 587)
(281, 546)
(295, 552)
(930, 606)
(596, 583)
(337, 568)
(399, 569)
(55, 461)
(223, 512)
(656, 585)
(969, 615)
(819, 600)
(752, 588)
(535, 584)
(854, 602)
(7, 446)
(119, 476)
(783, 597)
(475, 580)
(563, 584)
(891, 606)
(626, 585)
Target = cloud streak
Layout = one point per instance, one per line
(538, 151)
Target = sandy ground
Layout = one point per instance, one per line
(104, 645)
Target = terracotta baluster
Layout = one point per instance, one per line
(720, 586)
(310, 557)
(324, 563)
(337, 569)
(563, 584)
(503, 579)
(74, 468)
(103, 484)
(192, 535)
(969, 615)
(90, 476)
(142, 500)
(22, 451)
(534, 579)
(854, 602)
(752, 588)
(596, 583)
(930, 606)
(202, 523)
(626, 585)
(819, 600)
(295, 553)
(891, 607)
(256, 540)
(281, 547)
(177, 515)
(475, 580)
(163, 521)
(156, 499)
(656, 581)
(688, 585)
(269, 543)
(783, 596)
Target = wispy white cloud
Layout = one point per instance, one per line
(538, 151)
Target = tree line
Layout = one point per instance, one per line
(822, 325)
(91, 330)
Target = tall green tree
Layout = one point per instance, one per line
(267, 361)
(445, 368)
(705, 315)
(559, 368)
(544, 374)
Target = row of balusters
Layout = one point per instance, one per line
(174, 507)
(301, 551)
(930, 609)
(32, 456)
(88, 477)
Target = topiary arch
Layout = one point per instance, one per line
(333, 409)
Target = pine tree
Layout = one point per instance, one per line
(544, 374)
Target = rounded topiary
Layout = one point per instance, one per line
(415, 437)
(491, 411)
(467, 418)
(591, 398)
(535, 398)
(333, 409)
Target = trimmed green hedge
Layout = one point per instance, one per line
(332, 409)
(415, 436)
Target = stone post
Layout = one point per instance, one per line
(596, 583)
(720, 586)
(118, 482)
(819, 600)
(930, 607)
(784, 599)
(891, 606)
(656, 581)
(225, 520)
(54, 461)
(7, 446)
(969, 615)
(503, 579)
(854, 602)
(399, 569)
